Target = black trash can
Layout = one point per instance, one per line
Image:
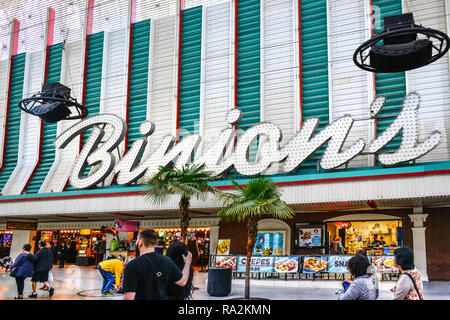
(219, 281)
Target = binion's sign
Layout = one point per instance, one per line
(131, 167)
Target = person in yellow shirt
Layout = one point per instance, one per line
(111, 271)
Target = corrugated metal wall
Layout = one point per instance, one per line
(49, 129)
(390, 85)
(190, 73)
(137, 108)
(14, 113)
(349, 84)
(314, 68)
(267, 77)
(71, 76)
(162, 90)
(4, 78)
(218, 62)
(432, 83)
(30, 128)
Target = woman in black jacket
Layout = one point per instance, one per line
(176, 251)
(43, 262)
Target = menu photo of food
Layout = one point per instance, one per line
(315, 264)
(310, 237)
(385, 264)
(223, 246)
(226, 262)
(286, 264)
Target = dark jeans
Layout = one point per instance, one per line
(61, 260)
(20, 281)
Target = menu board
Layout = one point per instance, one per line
(338, 264)
(310, 237)
(385, 264)
(286, 264)
(223, 246)
(226, 262)
(268, 244)
(315, 264)
(257, 264)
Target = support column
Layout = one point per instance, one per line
(213, 239)
(419, 245)
(19, 238)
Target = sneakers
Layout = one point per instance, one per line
(107, 294)
(51, 292)
(33, 295)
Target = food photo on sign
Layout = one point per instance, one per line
(286, 264)
(309, 237)
(385, 264)
(226, 262)
(315, 264)
(223, 246)
(268, 244)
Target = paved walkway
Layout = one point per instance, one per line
(84, 283)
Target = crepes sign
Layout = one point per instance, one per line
(225, 154)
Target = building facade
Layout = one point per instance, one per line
(307, 119)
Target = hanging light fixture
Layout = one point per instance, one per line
(397, 48)
(53, 104)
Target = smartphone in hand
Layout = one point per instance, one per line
(345, 285)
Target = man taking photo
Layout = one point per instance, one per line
(147, 276)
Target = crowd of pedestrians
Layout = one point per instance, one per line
(155, 276)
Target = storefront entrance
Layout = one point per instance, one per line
(5, 243)
(377, 237)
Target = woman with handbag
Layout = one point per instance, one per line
(409, 285)
(21, 269)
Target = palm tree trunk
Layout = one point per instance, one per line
(252, 233)
(184, 217)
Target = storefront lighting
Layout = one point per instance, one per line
(53, 104)
(401, 50)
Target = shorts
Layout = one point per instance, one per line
(40, 276)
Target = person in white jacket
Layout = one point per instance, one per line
(362, 287)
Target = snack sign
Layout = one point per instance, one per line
(338, 264)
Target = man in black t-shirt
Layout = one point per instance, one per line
(147, 276)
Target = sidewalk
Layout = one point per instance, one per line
(83, 283)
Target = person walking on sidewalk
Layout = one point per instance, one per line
(147, 276)
(362, 287)
(43, 263)
(111, 271)
(176, 251)
(62, 254)
(22, 269)
(409, 285)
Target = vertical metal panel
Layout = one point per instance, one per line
(390, 85)
(217, 69)
(348, 82)
(30, 126)
(137, 109)
(248, 61)
(71, 75)
(314, 57)
(4, 66)
(278, 94)
(432, 83)
(189, 99)
(114, 82)
(49, 129)
(162, 89)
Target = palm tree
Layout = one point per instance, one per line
(259, 198)
(187, 182)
